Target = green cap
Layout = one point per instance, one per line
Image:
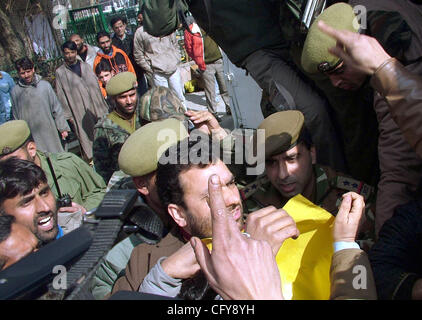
(140, 153)
(282, 129)
(13, 134)
(121, 82)
(315, 55)
(161, 103)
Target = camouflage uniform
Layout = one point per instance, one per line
(109, 138)
(160, 103)
(329, 188)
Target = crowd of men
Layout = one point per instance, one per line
(340, 142)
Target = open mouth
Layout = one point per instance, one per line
(46, 223)
(290, 187)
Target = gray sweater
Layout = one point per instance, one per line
(38, 105)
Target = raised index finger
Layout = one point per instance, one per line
(223, 225)
(339, 35)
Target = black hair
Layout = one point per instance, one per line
(19, 177)
(102, 34)
(186, 154)
(69, 45)
(196, 288)
(6, 222)
(305, 138)
(24, 63)
(114, 20)
(102, 66)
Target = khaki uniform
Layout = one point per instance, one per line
(75, 178)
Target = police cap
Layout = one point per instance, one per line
(315, 55)
(140, 152)
(282, 130)
(13, 134)
(121, 82)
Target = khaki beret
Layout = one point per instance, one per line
(140, 152)
(315, 55)
(13, 134)
(121, 82)
(282, 129)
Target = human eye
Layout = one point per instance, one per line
(26, 201)
(232, 182)
(292, 158)
(45, 192)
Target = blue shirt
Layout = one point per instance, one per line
(60, 234)
(6, 86)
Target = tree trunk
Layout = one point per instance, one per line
(48, 11)
(10, 40)
(5, 60)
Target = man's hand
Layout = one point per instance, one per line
(206, 122)
(182, 264)
(64, 134)
(272, 225)
(357, 50)
(238, 267)
(74, 208)
(348, 217)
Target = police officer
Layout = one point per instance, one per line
(130, 113)
(291, 168)
(396, 26)
(66, 173)
(113, 129)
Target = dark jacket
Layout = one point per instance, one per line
(396, 258)
(143, 258)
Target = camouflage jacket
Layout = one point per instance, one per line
(108, 140)
(329, 188)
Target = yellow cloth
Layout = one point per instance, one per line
(304, 263)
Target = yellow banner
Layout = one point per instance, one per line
(304, 263)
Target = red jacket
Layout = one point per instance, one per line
(119, 62)
(195, 46)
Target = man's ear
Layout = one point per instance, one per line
(178, 214)
(31, 148)
(141, 185)
(313, 154)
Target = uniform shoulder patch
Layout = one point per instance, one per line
(350, 184)
(251, 188)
